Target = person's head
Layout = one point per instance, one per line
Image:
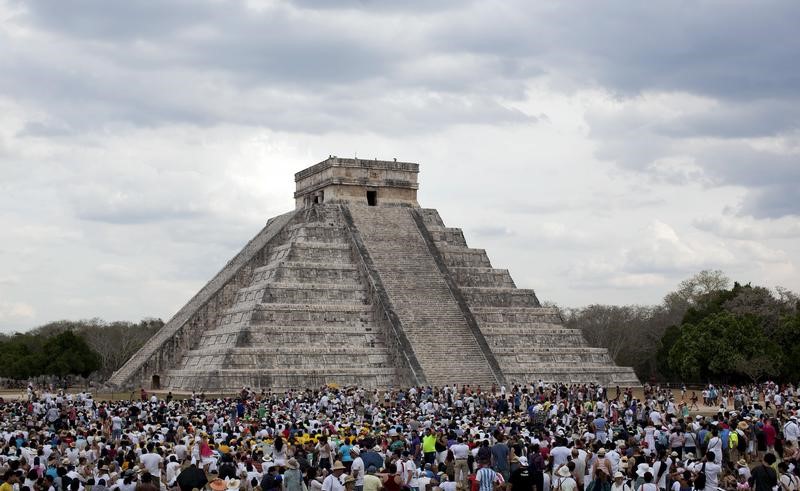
(710, 456)
(618, 477)
(769, 458)
(648, 476)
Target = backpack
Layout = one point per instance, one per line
(700, 480)
(268, 482)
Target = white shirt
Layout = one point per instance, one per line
(460, 450)
(151, 462)
(790, 431)
(358, 467)
(332, 483)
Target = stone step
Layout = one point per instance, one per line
(301, 330)
(329, 235)
(268, 335)
(500, 297)
(515, 315)
(428, 312)
(527, 329)
(606, 375)
(278, 378)
(430, 216)
(447, 236)
(465, 257)
(303, 272)
(316, 252)
(313, 314)
(482, 277)
(550, 350)
(314, 293)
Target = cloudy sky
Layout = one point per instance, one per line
(602, 151)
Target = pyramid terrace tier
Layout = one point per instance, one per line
(313, 293)
(502, 335)
(318, 232)
(316, 252)
(290, 377)
(366, 336)
(500, 297)
(609, 375)
(516, 315)
(312, 314)
(291, 355)
(307, 272)
(482, 277)
(447, 236)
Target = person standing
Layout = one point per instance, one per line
(763, 477)
(332, 482)
(429, 446)
(461, 457)
(501, 457)
(357, 469)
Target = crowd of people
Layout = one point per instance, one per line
(541, 436)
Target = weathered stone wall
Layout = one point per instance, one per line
(182, 331)
(337, 180)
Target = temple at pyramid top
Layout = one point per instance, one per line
(357, 181)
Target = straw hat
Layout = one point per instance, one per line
(218, 485)
(292, 463)
(338, 466)
(349, 480)
(234, 484)
(563, 471)
(742, 463)
(619, 475)
(601, 452)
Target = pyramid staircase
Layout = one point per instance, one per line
(529, 341)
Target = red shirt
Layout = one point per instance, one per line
(770, 434)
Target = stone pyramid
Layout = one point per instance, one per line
(360, 286)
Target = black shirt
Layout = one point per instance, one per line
(191, 478)
(764, 478)
(521, 480)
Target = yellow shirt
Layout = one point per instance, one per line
(372, 483)
(429, 443)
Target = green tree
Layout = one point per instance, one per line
(68, 354)
(720, 344)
